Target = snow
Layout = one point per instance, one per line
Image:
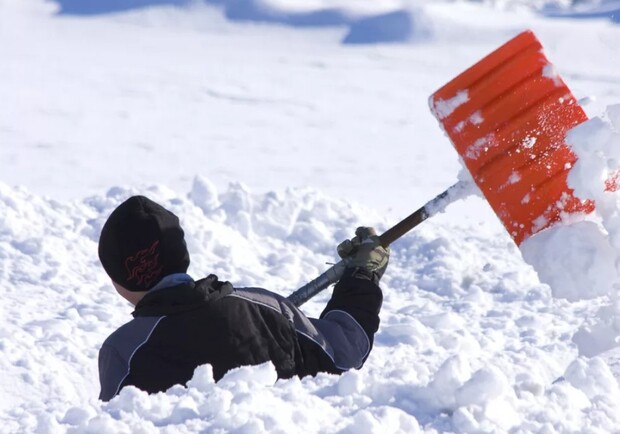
(579, 260)
(445, 108)
(551, 72)
(272, 139)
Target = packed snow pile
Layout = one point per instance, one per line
(581, 260)
(470, 340)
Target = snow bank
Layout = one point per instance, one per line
(398, 26)
(395, 26)
(314, 13)
(470, 341)
(576, 260)
(379, 21)
(95, 7)
(606, 9)
(581, 260)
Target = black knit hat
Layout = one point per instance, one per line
(140, 243)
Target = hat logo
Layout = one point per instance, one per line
(144, 267)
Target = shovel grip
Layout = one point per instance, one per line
(334, 273)
(312, 288)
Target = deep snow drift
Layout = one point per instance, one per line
(216, 121)
(469, 341)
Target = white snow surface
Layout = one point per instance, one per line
(272, 142)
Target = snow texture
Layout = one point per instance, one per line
(272, 143)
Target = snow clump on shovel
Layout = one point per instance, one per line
(581, 260)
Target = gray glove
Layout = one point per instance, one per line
(364, 251)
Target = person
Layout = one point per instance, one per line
(180, 323)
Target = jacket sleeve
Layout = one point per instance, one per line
(112, 371)
(359, 295)
(117, 352)
(342, 337)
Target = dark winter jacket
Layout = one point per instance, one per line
(178, 328)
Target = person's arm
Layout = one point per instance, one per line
(112, 372)
(117, 351)
(359, 297)
(358, 293)
(345, 329)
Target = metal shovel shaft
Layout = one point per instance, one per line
(334, 273)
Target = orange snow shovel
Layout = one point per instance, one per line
(507, 116)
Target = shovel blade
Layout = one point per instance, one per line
(507, 116)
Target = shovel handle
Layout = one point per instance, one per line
(334, 273)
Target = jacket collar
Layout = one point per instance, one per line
(172, 280)
(181, 294)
